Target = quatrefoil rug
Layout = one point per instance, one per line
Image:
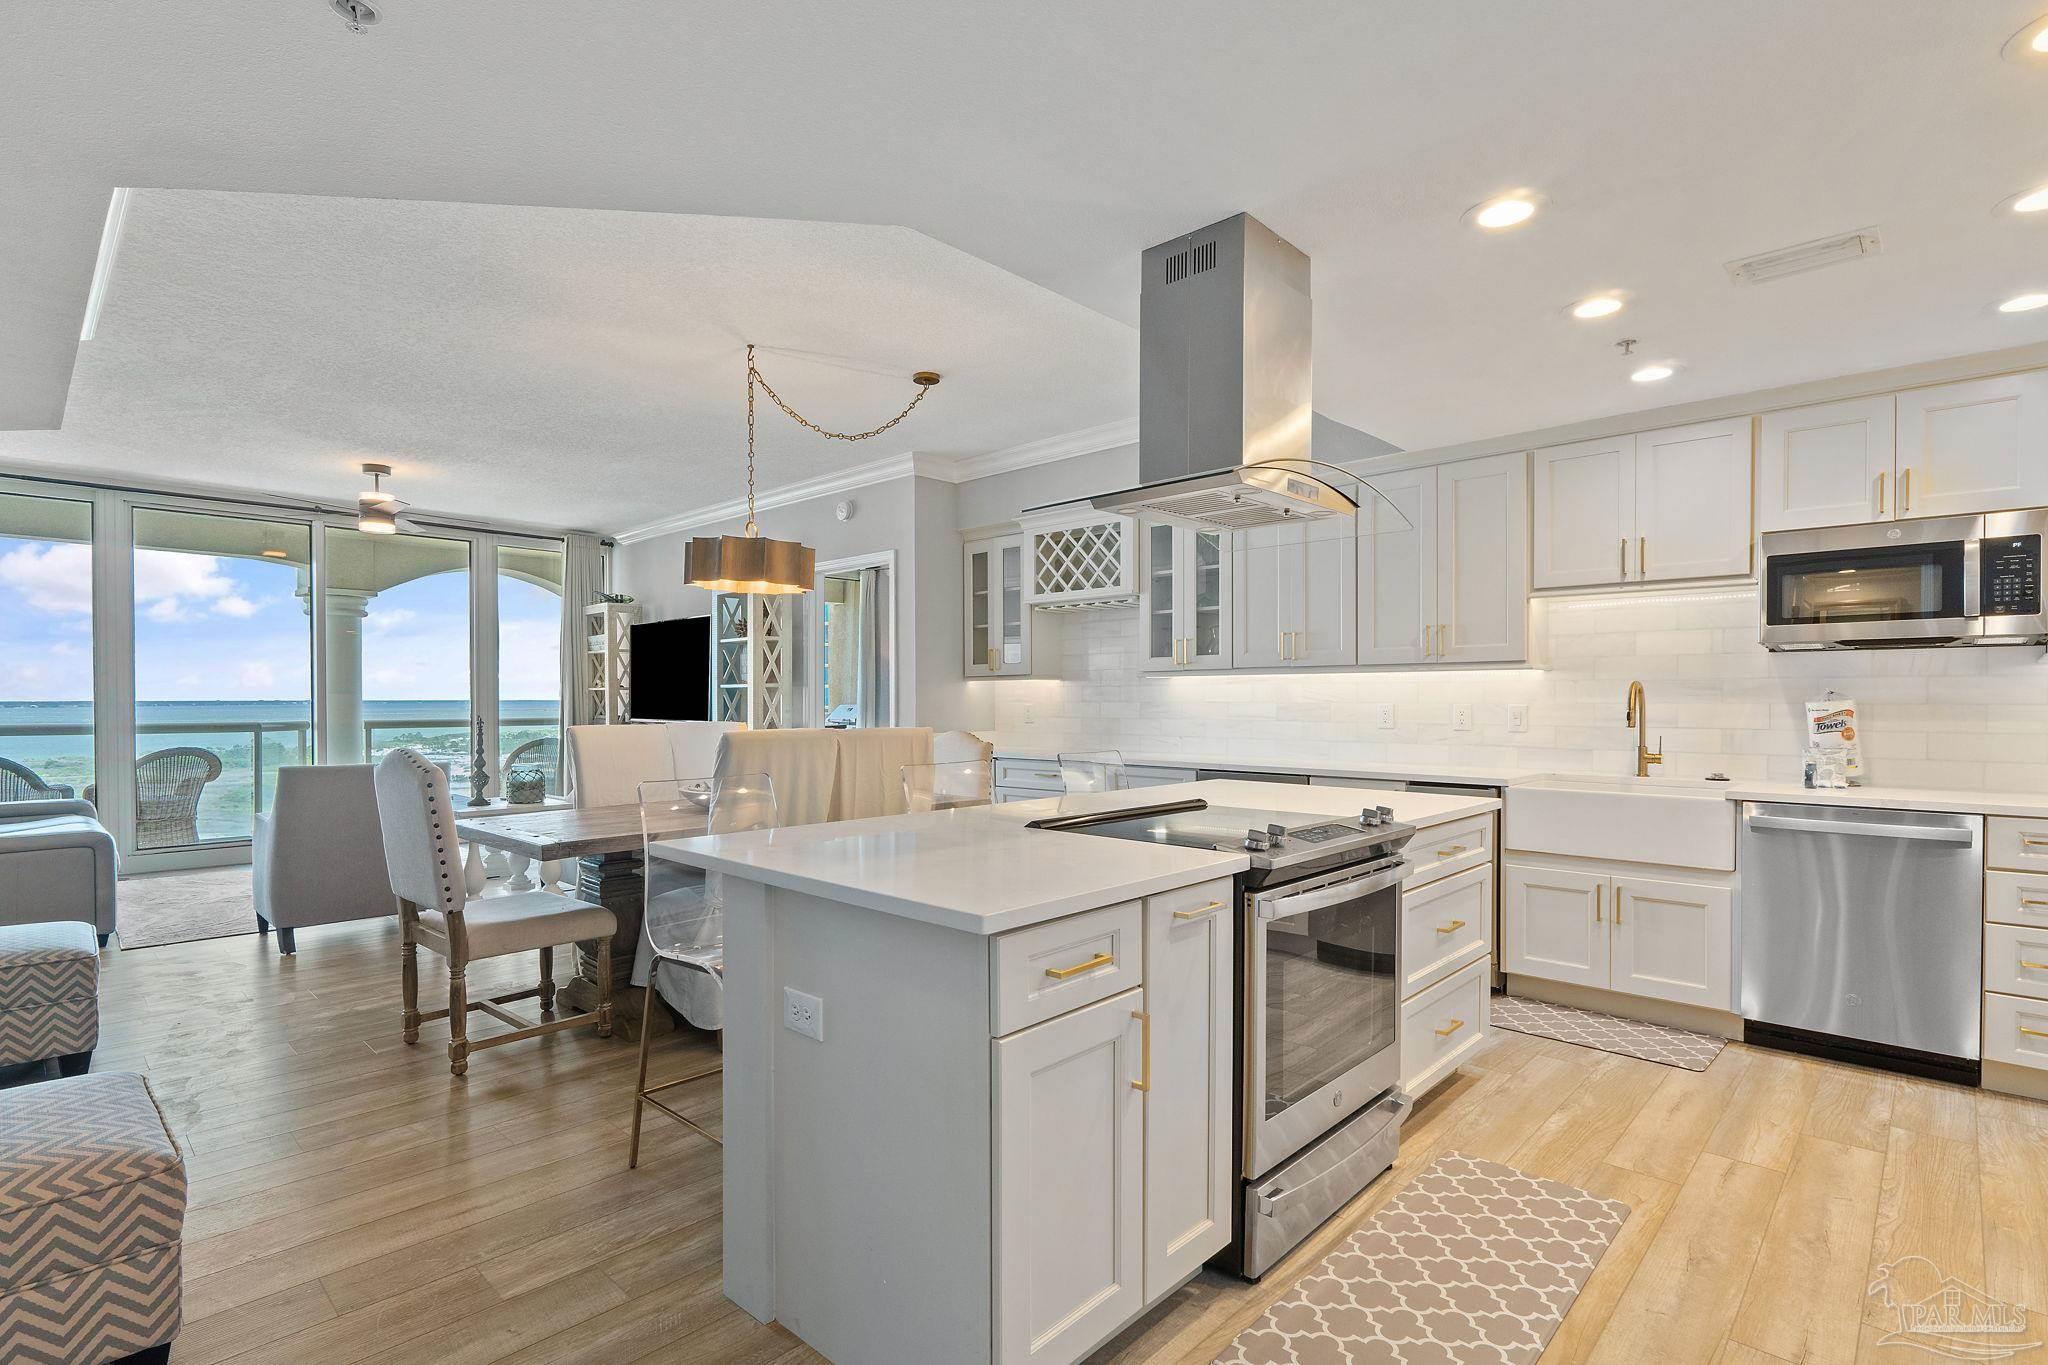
(1474, 1263)
(1608, 1033)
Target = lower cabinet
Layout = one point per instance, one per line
(1446, 950)
(1110, 1143)
(1664, 937)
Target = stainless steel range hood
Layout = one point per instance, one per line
(1224, 384)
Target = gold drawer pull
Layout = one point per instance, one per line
(2034, 841)
(1198, 912)
(2034, 1032)
(2033, 903)
(1453, 851)
(2034, 966)
(1453, 927)
(1456, 1024)
(1062, 973)
(1145, 1049)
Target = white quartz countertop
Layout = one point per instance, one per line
(1893, 798)
(982, 870)
(1495, 775)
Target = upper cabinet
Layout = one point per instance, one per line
(998, 623)
(1082, 558)
(1443, 564)
(1652, 507)
(1184, 596)
(1293, 596)
(1980, 446)
(1949, 450)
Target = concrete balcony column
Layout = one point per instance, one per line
(341, 639)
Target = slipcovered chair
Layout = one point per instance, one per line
(57, 862)
(22, 784)
(168, 784)
(1093, 770)
(423, 858)
(318, 852)
(684, 927)
(607, 763)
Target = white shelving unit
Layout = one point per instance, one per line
(750, 660)
(608, 660)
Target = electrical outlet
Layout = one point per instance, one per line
(1386, 712)
(1518, 720)
(1461, 715)
(803, 1014)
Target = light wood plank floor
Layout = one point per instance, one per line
(351, 1202)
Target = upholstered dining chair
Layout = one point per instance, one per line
(684, 926)
(18, 783)
(947, 786)
(1092, 770)
(423, 858)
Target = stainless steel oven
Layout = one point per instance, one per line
(1926, 582)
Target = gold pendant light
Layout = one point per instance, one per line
(753, 563)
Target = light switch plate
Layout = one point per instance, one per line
(1386, 715)
(803, 1014)
(1518, 720)
(1461, 715)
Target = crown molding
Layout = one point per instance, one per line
(824, 486)
(1089, 441)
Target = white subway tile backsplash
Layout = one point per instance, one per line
(1934, 718)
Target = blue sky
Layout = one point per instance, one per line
(213, 628)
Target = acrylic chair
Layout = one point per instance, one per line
(1092, 770)
(947, 786)
(684, 926)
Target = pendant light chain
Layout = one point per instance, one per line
(753, 529)
(924, 379)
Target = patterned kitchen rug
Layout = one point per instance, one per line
(1607, 1033)
(1474, 1263)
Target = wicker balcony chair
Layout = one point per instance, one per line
(545, 754)
(20, 784)
(167, 787)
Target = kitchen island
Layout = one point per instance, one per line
(978, 1076)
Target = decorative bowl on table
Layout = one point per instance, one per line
(526, 786)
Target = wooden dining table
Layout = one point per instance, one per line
(604, 843)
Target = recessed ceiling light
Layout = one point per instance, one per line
(1598, 306)
(2024, 303)
(276, 554)
(2030, 44)
(1503, 211)
(2033, 201)
(1650, 374)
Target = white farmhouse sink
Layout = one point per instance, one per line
(1632, 819)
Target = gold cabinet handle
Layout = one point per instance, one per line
(1041, 772)
(1453, 851)
(1456, 1024)
(1062, 973)
(1144, 1049)
(1642, 556)
(1905, 490)
(1617, 905)
(1880, 490)
(1596, 903)
(1426, 631)
(1199, 911)
(991, 660)
(1624, 556)
(2033, 1032)
(1453, 927)
(2033, 841)
(2033, 904)
(2034, 966)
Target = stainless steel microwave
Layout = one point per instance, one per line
(1927, 582)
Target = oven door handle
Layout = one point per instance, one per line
(1271, 1199)
(1283, 906)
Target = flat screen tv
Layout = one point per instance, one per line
(672, 669)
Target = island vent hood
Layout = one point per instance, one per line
(1224, 384)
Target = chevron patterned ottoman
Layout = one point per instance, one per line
(49, 994)
(92, 1205)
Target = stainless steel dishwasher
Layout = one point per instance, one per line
(1862, 935)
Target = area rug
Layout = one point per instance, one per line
(1606, 1033)
(180, 907)
(1474, 1263)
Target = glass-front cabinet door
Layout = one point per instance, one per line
(998, 623)
(1183, 598)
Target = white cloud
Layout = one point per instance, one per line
(386, 619)
(256, 673)
(54, 578)
(236, 605)
(167, 610)
(162, 574)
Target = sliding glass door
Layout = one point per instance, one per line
(46, 647)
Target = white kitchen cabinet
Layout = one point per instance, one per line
(1673, 941)
(1652, 507)
(1976, 446)
(1482, 560)
(1583, 507)
(1554, 923)
(1294, 604)
(1397, 567)
(1826, 465)
(1068, 1156)
(1668, 938)
(1184, 598)
(1188, 1168)
(1692, 501)
(998, 624)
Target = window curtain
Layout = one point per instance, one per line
(582, 580)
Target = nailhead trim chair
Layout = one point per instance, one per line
(423, 857)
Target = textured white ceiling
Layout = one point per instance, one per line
(560, 367)
(1058, 140)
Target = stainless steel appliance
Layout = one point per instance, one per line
(1927, 582)
(1861, 933)
(1318, 1005)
